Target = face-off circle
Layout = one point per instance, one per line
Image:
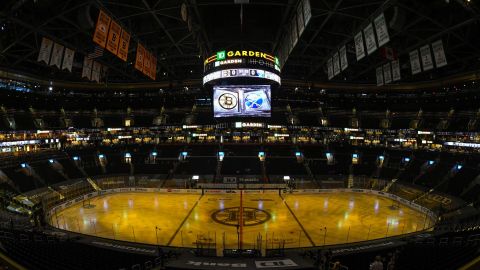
(227, 101)
(251, 216)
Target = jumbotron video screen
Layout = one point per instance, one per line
(242, 101)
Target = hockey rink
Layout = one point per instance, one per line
(270, 220)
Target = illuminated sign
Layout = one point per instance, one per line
(222, 55)
(246, 124)
(242, 72)
(15, 143)
(460, 144)
(189, 127)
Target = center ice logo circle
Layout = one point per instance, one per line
(253, 101)
(231, 216)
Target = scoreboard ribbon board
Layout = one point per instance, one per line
(242, 63)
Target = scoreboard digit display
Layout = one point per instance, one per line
(242, 64)
(242, 100)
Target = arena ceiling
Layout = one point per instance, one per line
(214, 25)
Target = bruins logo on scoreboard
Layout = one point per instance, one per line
(228, 101)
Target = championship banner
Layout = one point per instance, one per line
(45, 50)
(101, 30)
(113, 37)
(343, 58)
(382, 30)
(123, 47)
(439, 54)
(379, 76)
(97, 68)
(336, 64)
(57, 54)
(146, 63)
(154, 67)
(139, 57)
(330, 68)
(300, 20)
(68, 59)
(87, 68)
(359, 47)
(415, 62)
(307, 11)
(427, 61)
(387, 73)
(294, 31)
(396, 70)
(370, 38)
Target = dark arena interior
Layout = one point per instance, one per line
(240, 134)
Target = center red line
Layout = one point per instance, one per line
(240, 220)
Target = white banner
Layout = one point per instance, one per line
(57, 54)
(370, 38)
(439, 54)
(336, 64)
(330, 68)
(382, 30)
(426, 57)
(300, 20)
(307, 11)
(87, 68)
(68, 59)
(45, 50)
(290, 40)
(379, 76)
(387, 73)
(294, 32)
(415, 62)
(343, 57)
(97, 68)
(359, 47)
(396, 70)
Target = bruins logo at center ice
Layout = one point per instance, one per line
(251, 216)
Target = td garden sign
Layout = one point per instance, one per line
(241, 63)
(222, 55)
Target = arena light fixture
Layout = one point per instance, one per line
(298, 154)
(286, 178)
(221, 155)
(51, 161)
(406, 159)
(381, 158)
(128, 155)
(101, 156)
(76, 158)
(23, 165)
(154, 154)
(195, 177)
(184, 154)
(431, 162)
(459, 167)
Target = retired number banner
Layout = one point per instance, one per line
(124, 43)
(101, 30)
(113, 37)
(139, 58)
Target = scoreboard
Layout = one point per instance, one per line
(241, 100)
(242, 81)
(242, 64)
